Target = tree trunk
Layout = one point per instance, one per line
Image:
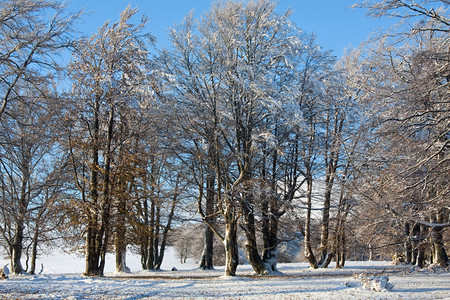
(121, 262)
(270, 253)
(414, 256)
(120, 237)
(271, 216)
(206, 262)
(34, 250)
(251, 246)
(339, 241)
(416, 242)
(92, 254)
(17, 248)
(325, 226)
(165, 232)
(120, 242)
(408, 246)
(151, 237)
(231, 248)
(421, 256)
(331, 165)
(344, 251)
(153, 224)
(157, 232)
(144, 254)
(439, 254)
(371, 254)
(341, 252)
(103, 235)
(308, 249)
(144, 235)
(265, 224)
(341, 249)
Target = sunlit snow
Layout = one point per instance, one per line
(61, 279)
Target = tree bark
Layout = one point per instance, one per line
(231, 248)
(408, 246)
(308, 249)
(416, 240)
(144, 233)
(206, 262)
(121, 230)
(34, 250)
(270, 253)
(104, 231)
(421, 256)
(271, 215)
(331, 165)
(151, 237)
(325, 225)
(92, 258)
(440, 256)
(17, 246)
(120, 241)
(165, 232)
(250, 233)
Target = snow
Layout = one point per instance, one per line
(62, 279)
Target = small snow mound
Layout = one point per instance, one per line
(374, 283)
(345, 285)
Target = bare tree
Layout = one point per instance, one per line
(230, 70)
(32, 34)
(31, 168)
(107, 71)
(407, 92)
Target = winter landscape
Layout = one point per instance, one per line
(61, 279)
(235, 158)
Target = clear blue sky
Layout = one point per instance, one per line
(335, 24)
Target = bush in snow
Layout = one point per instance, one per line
(378, 284)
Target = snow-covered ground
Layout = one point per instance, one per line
(61, 279)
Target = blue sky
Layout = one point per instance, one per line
(335, 24)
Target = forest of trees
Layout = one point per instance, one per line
(244, 128)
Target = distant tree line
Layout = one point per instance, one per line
(244, 125)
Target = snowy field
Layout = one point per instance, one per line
(61, 279)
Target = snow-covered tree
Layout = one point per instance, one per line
(404, 82)
(32, 35)
(31, 168)
(108, 71)
(234, 77)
